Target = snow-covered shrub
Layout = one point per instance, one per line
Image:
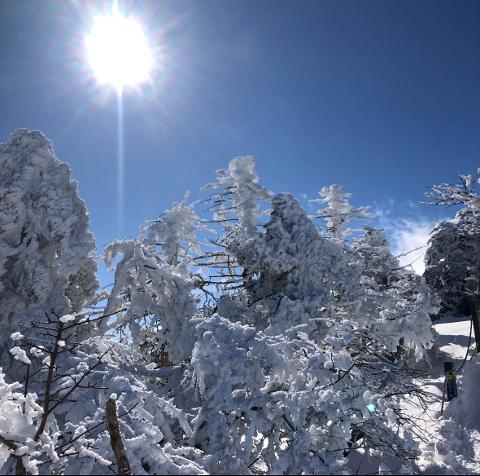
(19, 416)
(64, 421)
(289, 405)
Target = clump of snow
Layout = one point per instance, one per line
(19, 354)
(67, 318)
(36, 352)
(16, 336)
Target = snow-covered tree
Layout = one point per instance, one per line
(237, 204)
(154, 286)
(398, 302)
(301, 314)
(45, 244)
(338, 211)
(379, 263)
(236, 207)
(175, 232)
(293, 261)
(452, 260)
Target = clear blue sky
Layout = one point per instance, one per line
(382, 97)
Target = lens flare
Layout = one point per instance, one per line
(118, 51)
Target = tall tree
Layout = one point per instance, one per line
(45, 245)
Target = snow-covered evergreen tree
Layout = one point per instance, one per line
(303, 313)
(452, 261)
(338, 211)
(45, 244)
(154, 287)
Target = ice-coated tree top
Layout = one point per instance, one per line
(338, 211)
(239, 200)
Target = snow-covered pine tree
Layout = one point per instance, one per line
(45, 246)
(338, 211)
(236, 206)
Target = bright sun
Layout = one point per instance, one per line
(118, 51)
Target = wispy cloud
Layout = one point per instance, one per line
(410, 240)
(408, 233)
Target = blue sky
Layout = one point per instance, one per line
(382, 97)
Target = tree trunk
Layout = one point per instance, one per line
(19, 467)
(115, 438)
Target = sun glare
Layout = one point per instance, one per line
(118, 51)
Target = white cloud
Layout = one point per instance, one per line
(409, 235)
(409, 239)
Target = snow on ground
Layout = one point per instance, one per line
(451, 443)
(454, 446)
(453, 335)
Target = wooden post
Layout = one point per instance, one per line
(476, 320)
(115, 438)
